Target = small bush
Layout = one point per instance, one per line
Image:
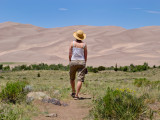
(92, 69)
(1, 66)
(6, 68)
(101, 68)
(118, 105)
(110, 68)
(141, 82)
(38, 75)
(16, 68)
(89, 68)
(13, 92)
(154, 66)
(116, 68)
(1, 77)
(95, 70)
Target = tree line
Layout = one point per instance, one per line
(43, 66)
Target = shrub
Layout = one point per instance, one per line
(110, 68)
(89, 68)
(13, 92)
(95, 70)
(141, 82)
(1, 77)
(1, 66)
(38, 75)
(116, 68)
(23, 67)
(154, 66)
(6, 68)
(101, 68)
(16, 68)
(92, 69)
(53, 67)
(118, 105)
(125, 68)
(139, 67)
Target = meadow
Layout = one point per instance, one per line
(96, 85)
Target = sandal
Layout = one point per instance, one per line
(73, 95)
(76, 98)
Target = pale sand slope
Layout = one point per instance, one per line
(107, 45)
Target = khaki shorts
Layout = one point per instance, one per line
(77, 66)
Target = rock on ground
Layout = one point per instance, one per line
(52, 115)
(37, 95)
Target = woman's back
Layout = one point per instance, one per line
(78, 50)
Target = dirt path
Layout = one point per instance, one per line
(76, 109)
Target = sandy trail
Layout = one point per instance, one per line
(76, 109)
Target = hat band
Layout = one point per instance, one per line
(80, 36)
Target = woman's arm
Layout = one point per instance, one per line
(85, 53)
(70, 52)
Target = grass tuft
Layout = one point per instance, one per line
(119, 104)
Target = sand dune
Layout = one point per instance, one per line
(107, 45)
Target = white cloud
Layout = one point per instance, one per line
(153, 12)
(63, 9)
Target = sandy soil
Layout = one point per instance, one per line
(76, 109)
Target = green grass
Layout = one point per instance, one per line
(95, 84)
(17, 111)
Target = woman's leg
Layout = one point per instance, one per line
(81, 75)
(72, 76)
(73, 85)
(79, 85)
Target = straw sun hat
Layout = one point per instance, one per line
(79, 35)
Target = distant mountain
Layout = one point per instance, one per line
(107, 45)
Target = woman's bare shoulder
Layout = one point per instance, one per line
(71, 44)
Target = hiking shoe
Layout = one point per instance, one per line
(73, 95)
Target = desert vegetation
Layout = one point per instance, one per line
(13, 101)
(120, 104)
(13, 92)
(115, 94)
(43, 66)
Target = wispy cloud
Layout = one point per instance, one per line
(137, 8)
(152, 12)
(147, 11)
(63, 9)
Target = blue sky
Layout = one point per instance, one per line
(58, 13)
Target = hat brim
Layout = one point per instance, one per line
(75, 35)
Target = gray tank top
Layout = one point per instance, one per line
(77, 53)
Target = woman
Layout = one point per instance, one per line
(78, 59)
